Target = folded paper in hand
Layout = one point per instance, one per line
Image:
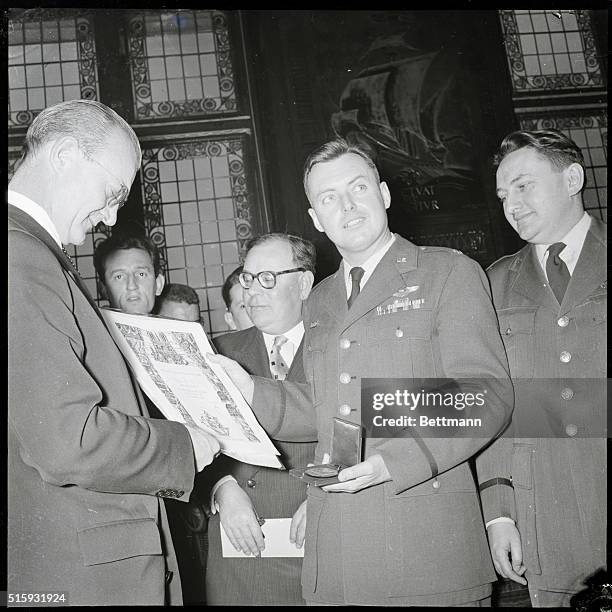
(168, 358)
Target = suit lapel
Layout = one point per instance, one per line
(255, 354)
(530, 280)
(590, 270)
(26, 222)
(335, 303)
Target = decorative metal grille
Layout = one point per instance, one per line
(590, 133)
(196, 211)
(550, 50)
(181, 65)
(51, 58)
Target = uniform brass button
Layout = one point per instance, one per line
(571, 430)
(565, 357)
(435, 484)
(251, 483)
(563, 321)
(345, 378)
(567, 393)
(345, 343)
(345, 410)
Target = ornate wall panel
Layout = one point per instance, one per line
(51, 58)
(196, 210)
(550, 50)
(181, 65)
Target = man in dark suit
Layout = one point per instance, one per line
(544, 493)
(277, 279)
(87, 467)
(402, 527)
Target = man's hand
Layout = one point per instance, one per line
(505, 544)
(240, 377)
(239, 519)
(297, 531)
(370, 472)
(205, 446)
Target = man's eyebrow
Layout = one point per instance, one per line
(331, 189)
(514, 180)
(125, 268)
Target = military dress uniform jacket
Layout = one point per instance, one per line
(420, 538)
(86, 469)
(275, 494)
(557, 357)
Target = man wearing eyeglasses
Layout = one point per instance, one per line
(87, 466)
(277, 278)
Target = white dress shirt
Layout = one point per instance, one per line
(369, 265)
(294, 338)
(37, 212)
(573, 240)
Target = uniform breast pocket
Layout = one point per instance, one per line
(516, 326)
(399, 344)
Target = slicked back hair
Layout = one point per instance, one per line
(560, 150)
(120, 241)
(333, 150)
(303, 251)
(89, 122)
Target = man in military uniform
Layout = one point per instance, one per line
(402, 527)
(544, 493)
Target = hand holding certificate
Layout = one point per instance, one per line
(168, 358)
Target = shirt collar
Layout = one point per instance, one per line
(37, 212)
(295, 335)
(369, 265)
(574, 240)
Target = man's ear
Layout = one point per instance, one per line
(386, 194)
(229, 320)
(160, 281)
(306, 283)
(575, 178)
(315, 219)
(63, 152)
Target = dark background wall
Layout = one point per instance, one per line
(421, 74)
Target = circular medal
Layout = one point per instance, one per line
(322, 471)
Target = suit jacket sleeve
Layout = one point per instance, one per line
(284, 409)
(493, 465)
(58, 408)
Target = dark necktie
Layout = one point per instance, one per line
(356, 276)
(278, 367)
(556, 270)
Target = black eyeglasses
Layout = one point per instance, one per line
(266, 278)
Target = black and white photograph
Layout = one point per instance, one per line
(382, 237)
